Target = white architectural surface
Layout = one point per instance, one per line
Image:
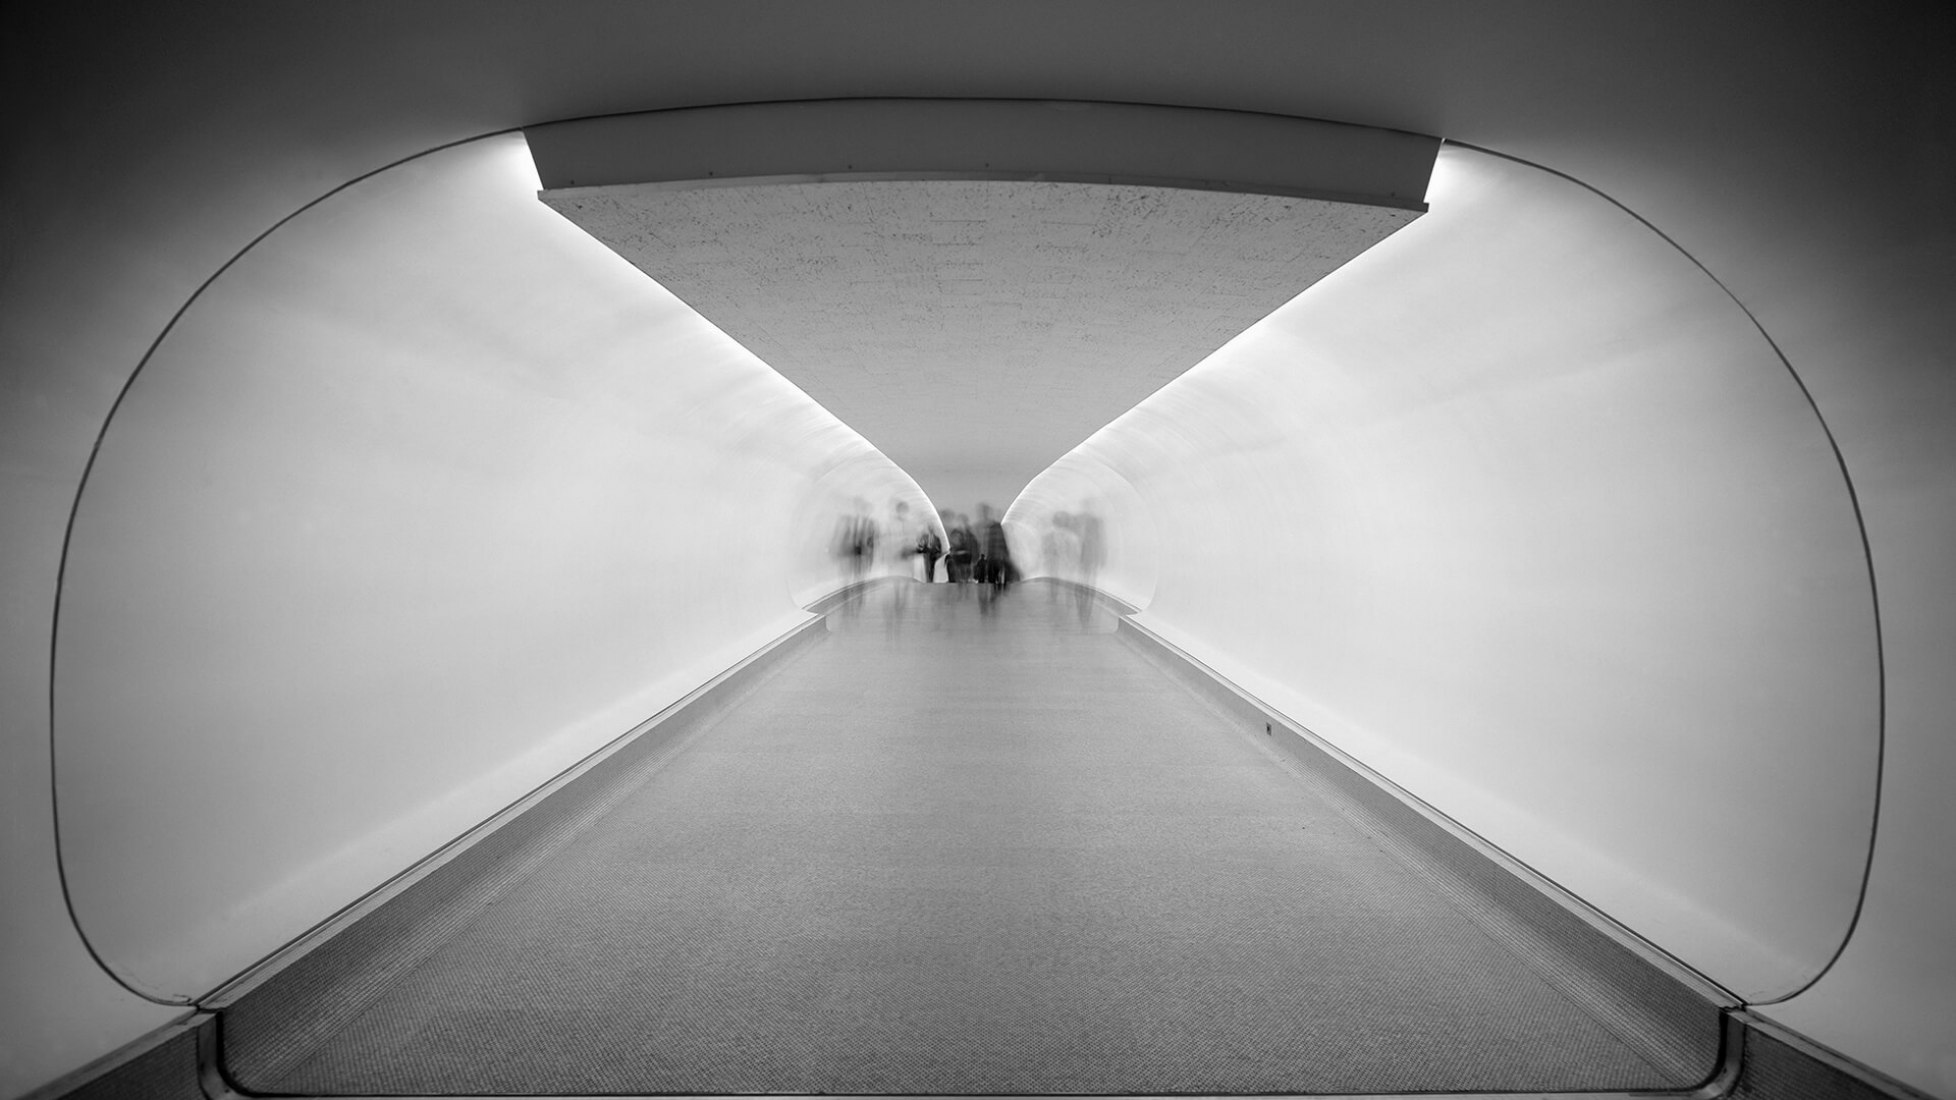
(976, 330)
(1502, 542)
(1797, 150)
(423, 501)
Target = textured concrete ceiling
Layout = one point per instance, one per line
(977, 330)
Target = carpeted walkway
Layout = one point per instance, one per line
(954, 851)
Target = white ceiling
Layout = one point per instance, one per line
(977, 330)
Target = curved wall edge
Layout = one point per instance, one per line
(1867, 550)
(1109, 535)
(1520, 509)
(968, 137)
(426, 497)
(159, 149)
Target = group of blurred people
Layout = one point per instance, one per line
(974, 555)
(971, 553)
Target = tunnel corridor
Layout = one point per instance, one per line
(959, 843)
(1479, 476)
(400, 514)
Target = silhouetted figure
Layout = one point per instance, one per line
(994, 555)
(929, 548)
(962, 553)
(854, 544)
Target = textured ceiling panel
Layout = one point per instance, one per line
(975, 331)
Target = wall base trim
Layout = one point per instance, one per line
(1664, 1011)
(1753, 1057)
(1756, 1057)
(1781, 1062)
(278, 1011)
(160, 1065)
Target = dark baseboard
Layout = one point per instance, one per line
(1781, 1064)
(162, 1065)
(1760, 1062)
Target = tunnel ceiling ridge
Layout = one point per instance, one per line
(977, 328)
(978, 286)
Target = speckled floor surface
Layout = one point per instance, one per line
(950, 850)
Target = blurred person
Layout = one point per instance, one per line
(854, 542)
(962, 552)
(995, 570)
(1092, 554)
(898, 534)
(854, 545)
(1060, 547)
(929, 548)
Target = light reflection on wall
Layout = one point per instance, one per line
(1520, 509)
(426, 498)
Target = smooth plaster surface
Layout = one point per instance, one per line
(1661, 619)
(976, 330)
(426, 499)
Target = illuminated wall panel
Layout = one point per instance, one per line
(1521, 510)
(426, 498)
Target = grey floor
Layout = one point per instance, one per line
(956, 850)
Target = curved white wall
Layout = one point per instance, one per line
(424, 499)
(1521, 510)
(1803, 157)
(1080, 485)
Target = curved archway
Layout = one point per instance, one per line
(1234, 497)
